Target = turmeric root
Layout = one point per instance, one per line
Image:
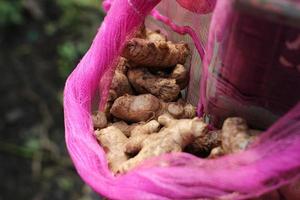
(175, 135)
(159, 54)
(235, 136)
(113, 142)
(135, 108)
(145, 82)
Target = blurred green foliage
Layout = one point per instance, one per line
(10, 12)
(72, 22)
(78, 38)
(41, 41)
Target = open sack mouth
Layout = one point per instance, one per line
(132, 126)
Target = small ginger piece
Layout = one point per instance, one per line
(155, 36)
(235, 136)
(145, 82)
(138, 134)
(150, 35)
(165, 86)
(120, 84)
(145, 107)
(135, 108)
(113, 142)
(125, 128)
(116, 144)
(99, 120)
(159, 54)
(181, 110)
(180, 74)
(174, 137)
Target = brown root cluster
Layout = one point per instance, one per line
(146, 116)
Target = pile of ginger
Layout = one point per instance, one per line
(145, 115)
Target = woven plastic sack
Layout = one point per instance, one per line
(270, 163)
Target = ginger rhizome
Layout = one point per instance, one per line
(113, 142)
(145, 115)
(164, 86)
(173, 137)
(180, 74)
(235, 137)
(155, 36)
(99, 120)
(160, 54)
(136, 108)
(150, 35)
(179, 109)
(139, 134)
(120, 84)
(145, 107)
(126, 128)
(145, 82)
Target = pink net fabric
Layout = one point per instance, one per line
(273, 161)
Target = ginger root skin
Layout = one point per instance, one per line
(113, 142)
(125, 128)
(235, 137)
(136, 108)
(181, 110)
(150, 35)
(120, 84)
(99, 120)
(180, 74)
(116, 144)
(155, 36)
(162, 85)
(159, 54)
(145, 107)
(175, 135)
(138, 134)
(145, 82)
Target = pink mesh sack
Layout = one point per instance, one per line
(270, 163)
